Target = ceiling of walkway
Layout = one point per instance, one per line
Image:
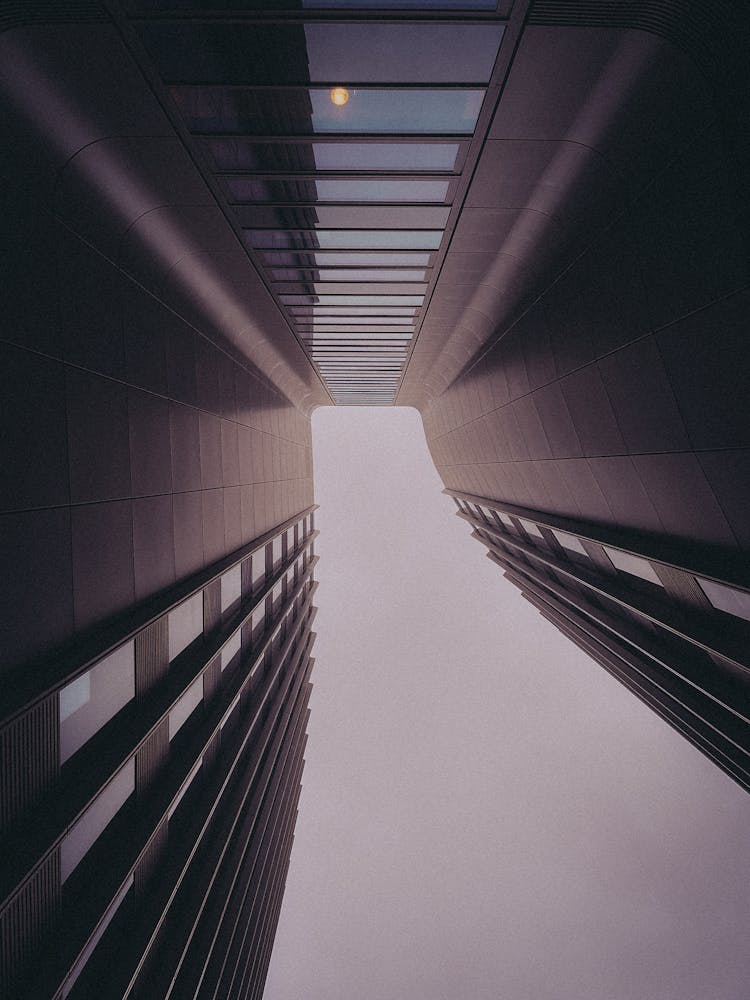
(340, 139)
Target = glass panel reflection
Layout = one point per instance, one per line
(358, 238)
(324, 52)
(329, 288)
(93, 698)
(343, 216)
(402, 52)
(254, 189)
(239, 153)
(243, 111)
(354, 300)
(346, 311)
(354, 274)
(355, 258)
(402, 4)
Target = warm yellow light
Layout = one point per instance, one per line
(339, 96)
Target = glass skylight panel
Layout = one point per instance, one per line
(226, 110)
(355, 333)
(352, 274)
(325, 289)
(308, 190)
(316, 321)
(445, 111)
(345, 258)
(343, 216)
(328, 239)
(328, 52)
(354, 300)
(403, 4)
(274, 104)
(240, 153)
(386, 155)
(347, 311)
(402, 189)
(402, 52)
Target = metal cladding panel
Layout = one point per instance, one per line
(151, 655)
(29, 759)
(27, 921)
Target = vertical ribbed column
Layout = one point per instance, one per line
(151, 655)
(29, 759)
(26, 920)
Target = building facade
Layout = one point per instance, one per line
(528, 220)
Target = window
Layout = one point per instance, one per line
(530, 527)
(231, 648)
(257, 624)
(185, 707)
(634, 565)
(725, 598)
(505, 519)
(569, 541)
(258, 568)
(84, 833)
(94, 698)
(185, 624)
(276, 552)
(231, 587)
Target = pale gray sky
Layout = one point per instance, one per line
(486, 814)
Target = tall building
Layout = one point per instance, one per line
(528, 219)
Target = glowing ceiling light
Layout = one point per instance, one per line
(339, 96)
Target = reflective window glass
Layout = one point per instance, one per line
(257, 622)
(331, 313)
(328, 288)
(276, 552)
(404, 4)
(322, 216)
(344, 259)
(323, 333)
(240, 153)
(94, 698)
(259, 568)
(324, 52)
(84, 833)
(403, 189)
(253, 189)
(530, 527)
(569, 541)
(388, 239)
(244, 111)
(725, 598)
(352, 274)
(355, 300)
(635, 565)
(402, 52)
(231, 587)
(185, 707)
(185, 624)
(386, 155)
